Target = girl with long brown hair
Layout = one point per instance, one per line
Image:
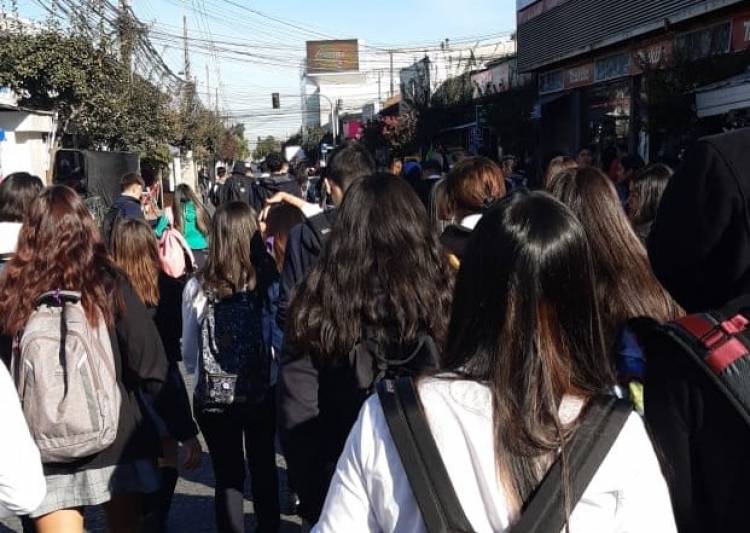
(228, 318)
(630, 296)
(135, 251)
(524, 364)
(191, 219)
(59, 248)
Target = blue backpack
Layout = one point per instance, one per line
(234, 362)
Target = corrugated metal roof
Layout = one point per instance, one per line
(578, 26)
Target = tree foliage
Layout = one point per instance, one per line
(266, 146)
(101, 103)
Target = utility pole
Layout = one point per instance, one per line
(208, 88)
(380, 93)
(391, 53)
(186, 70)
(126, 30)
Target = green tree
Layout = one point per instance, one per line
(266, 146)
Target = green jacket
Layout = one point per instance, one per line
(195, 239)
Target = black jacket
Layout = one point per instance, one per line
(699, 244)
(701, 441)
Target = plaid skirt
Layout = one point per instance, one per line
(94, 487)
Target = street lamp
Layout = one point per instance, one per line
(334, 117)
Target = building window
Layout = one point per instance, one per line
(704, 43)
(550, 82)
(612, 67)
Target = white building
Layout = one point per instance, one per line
(27, 137)
(420, 80)
(347, 87)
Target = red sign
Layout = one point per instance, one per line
(579, 76)
(741, 32)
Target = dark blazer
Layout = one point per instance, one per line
(699, 244)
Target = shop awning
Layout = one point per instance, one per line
(724, 96)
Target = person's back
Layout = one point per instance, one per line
(626, 494)
(366, 310)
(700, 249)
(502, 416)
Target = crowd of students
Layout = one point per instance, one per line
(517, 314)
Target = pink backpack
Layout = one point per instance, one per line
(174, 253)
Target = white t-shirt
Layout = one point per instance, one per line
(22, 486)
(370, 491)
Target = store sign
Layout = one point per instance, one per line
(741, 33)
(579, 76)
(332, 56)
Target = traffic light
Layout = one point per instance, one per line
(275, 100)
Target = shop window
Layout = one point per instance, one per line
(550, 82)
(704, 43)
(612, 67)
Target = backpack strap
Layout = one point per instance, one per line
(720, 347)
(441, 510)
(428, 477)
(600, 426)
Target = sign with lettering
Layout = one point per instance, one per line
(332, 56)
(741, 32)
(579, 76)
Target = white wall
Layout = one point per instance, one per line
(26, 144)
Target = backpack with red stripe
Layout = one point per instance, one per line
(720, 345)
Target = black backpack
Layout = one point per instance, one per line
(719, 343)
(234, 366)
(436, 498)
(321, 225)
(265, 188)
(238, 188)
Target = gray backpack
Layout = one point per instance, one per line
(64, 370)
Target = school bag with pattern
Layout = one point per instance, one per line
(64, 370)
(234, 361)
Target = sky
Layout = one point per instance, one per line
(248, 28)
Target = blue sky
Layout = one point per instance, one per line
(246, 85)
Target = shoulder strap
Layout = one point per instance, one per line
(433, 489)
(720, 347)
(428, 477)
(599, 429)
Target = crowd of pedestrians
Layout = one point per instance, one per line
(433, 343)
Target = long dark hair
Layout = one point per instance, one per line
(382, 270)
(17, 191)
(627, 287)
(525, 322)
(59, 247)
(229, 268)
(182, 195)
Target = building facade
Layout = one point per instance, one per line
(590, 58)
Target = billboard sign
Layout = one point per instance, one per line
(332, 56)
